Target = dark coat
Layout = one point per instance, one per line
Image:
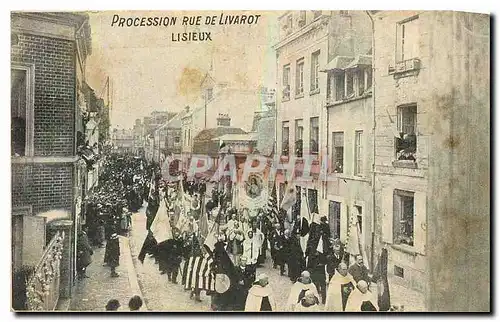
(148, 247)
(113, 252)
(84, 251)
(359, 273)
(170, 254)
(333, 262)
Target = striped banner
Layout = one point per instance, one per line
(197, 274)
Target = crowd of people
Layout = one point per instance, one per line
(109, 207)
(225, 268)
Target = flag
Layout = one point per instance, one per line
(203, 225)
(212, 235)
(355, 244)
(304, 223)
(272, 205)
(221, 144)
(320, 248)
(290, 197)
(152, 188)
(182, 219)
(161, 224)
(394, 126)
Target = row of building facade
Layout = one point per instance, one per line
(387, 99)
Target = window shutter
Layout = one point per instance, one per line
(387, 214)
(344, 220)
(420, 222)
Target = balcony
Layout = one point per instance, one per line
(405, 68)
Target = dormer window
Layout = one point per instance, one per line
(210, 94)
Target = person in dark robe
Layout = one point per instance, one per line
(260, 296)
(148, 247)
(170, 257)
(113, 251)
(334, 259)
(294, 257)
(152, 209)
(84, 254)
(380, 277)
(316, 265)
(276, 240)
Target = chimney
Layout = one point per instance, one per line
(223, 120)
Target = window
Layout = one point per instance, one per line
(349, 84)
(339, 80)
(406, 144)
(286, 82)
(210, 92)
(338, 152)
(358, 153)
(344, 13)
(314, 146)
(302, 18)
(359, 218)
(299, 135)
(403, 217)
(299, 78)
(360, 79)
(289, 23)
(399, 271)
(18, 112)
(21, 104)
(285, 139)
(177, 140)
(315, 71)
(334, 218)
(408, 39)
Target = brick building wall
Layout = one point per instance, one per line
(48, 186)
(54, 61)
(43, 186)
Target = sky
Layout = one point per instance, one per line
(148, 71)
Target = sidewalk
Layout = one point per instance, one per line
(92, 294)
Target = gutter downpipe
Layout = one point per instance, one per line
(374, 124)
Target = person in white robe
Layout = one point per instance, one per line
(361, 299)
(260, 296)
(303, 284)
(339, 288)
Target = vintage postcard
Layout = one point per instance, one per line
(269, 161)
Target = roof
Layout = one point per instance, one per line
(209, 134)
(339, 62)
(204, 142)
(252, 136)
(360, 60)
